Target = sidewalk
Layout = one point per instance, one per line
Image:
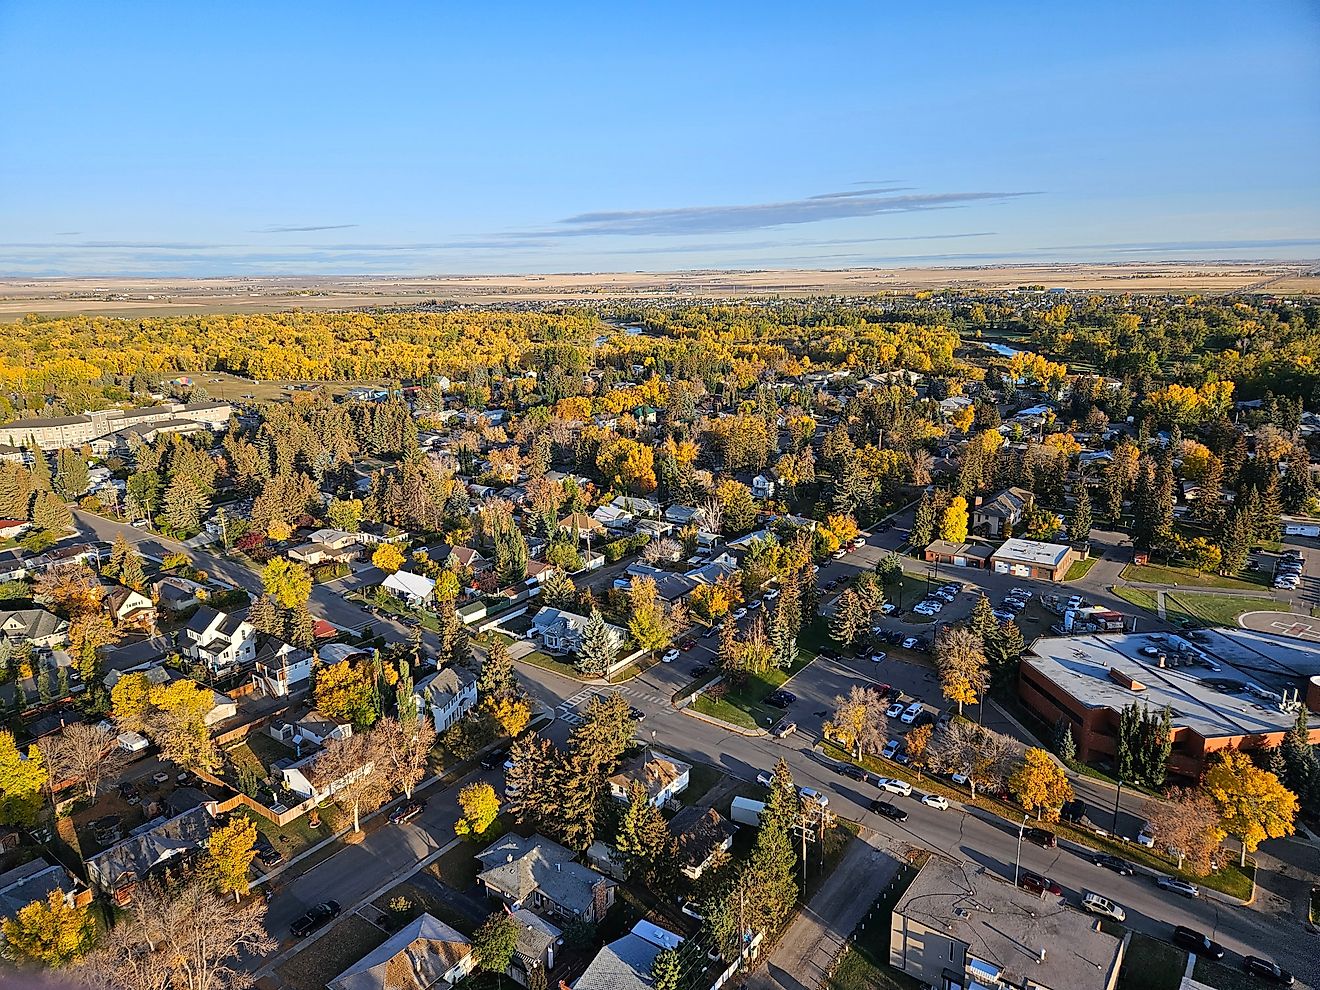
(816, 936)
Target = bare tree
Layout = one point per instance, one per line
(405, 751)
(984, 756)
(184, 937)
(1187, 824)
(711, 513)
(90, 754)
(351, 771)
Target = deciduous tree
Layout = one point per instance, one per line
(1253, 805)
(1186, 823)
(49, 933)
(405, 751)
(960, 657)
(859, 721)
(1040, 785)
(229, 854)
(480, 806)
(388, 557)
(289, 583)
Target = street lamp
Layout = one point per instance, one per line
(1114, 827)
(1017, 865)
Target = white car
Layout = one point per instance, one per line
(878, 657)
(859, 542)
(670, 656)
(754, 604)
(910, 643)
(913, 710)
(811, 794)
(1177, 886)
(772, 594)
(839, 554)
(888, 608)
(895, 786)
(894, 710)
(937, 801)
(740, 614)
(1103, 905)
(1075, 601)
(765, 778)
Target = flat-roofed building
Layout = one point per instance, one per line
(1214, 705)
(1031, 559)
(957, 926)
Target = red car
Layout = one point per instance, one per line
(1038, 884)
(687, 644)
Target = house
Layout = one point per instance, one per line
(36, 880)
(1004, 511)
(561, 632)
(177, 594)
(129, 609)
(12, 529)
(581, 525)
(312, 729)
(281, 669)
(663, 777)
(626, 963)
(223, 641)
(642, 508)
(701, 835)
(415, 589)
(762, 487)
(119, 660)
(426, 954)
(537, 939)
(469, 558)
(158, 843)
(958, 554)
(613, 518)
(682, 515)
(543, 876)
(309, 778)
(32, 625)
(1032, 559)
(955, 927)
(449, 693)
(333, 546)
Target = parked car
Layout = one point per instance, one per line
(740, 614)
(1176, 886)
(315, 918)
(910, 642)
(1267, 970)
(1042, 837)
(407, 811)
(1103, 906)
(894, 710)
(1109, 862)
(772, 594)
(811, 794)
(687, 644)
(784, 729)
(888, 608)
(894, 786)
(670, 656)
(266, 851)
(878, 656)
(892, 812)
(754, 604)
(858, 542)
(781, 699)
(1038, 884)
(701, 670)
(910, 715)
(765, 778)
(1197, 942)
(1003, 614)
(855, 772)
(936, 801)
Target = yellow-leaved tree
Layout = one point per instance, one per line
(388, 557)
(229, 854)
(954, 525)
(480, 807)
(49, 932)
(1253, 805)
(1040, 785)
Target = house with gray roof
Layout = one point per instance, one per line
(159, 843)
(32, 625)
(625, 964)
(35, 880)
(449, 694)
(543, 876)
(223, 641)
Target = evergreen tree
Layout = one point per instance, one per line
(783, 644)
(447, 624)
(39, 473)
(558, 590)
(266, 617)
(849, 619)
(461, 653)
(1067, 746)
(1268, 522)
(1113, 497)
(1297, 489)
(643, 838)
(923, 523)
(1209, 507)
(771, 874)
(15, 491)
(403, 697)
(982, 620)
(1300, 762)
(497, 679)
(301, 627)
(1236, 543)
(184, 505)
(49, 512)
(599, 646)
(1080, 530)
(72, 478)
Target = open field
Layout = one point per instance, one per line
(137, 296)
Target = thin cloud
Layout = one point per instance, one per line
(303, 230)
(761, 216)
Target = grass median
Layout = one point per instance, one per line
(1232, 879)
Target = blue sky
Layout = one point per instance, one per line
(432, 137)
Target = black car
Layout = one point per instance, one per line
(315, 918)
(494, 758)
(781, 699)
(894, 814)
(1119, 866)
(1073, 811)
(266, 852)
(1196, 942)
(1267, 970)
(701, 670)
(407, 811)
(637, 715)
(1042, 837)
(856, 773)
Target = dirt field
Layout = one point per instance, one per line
(134, 297)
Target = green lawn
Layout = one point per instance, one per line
(721, 709)
(700, 781)
(298, 835)
(1151, 965)
(1079, 568)
(546, 662)
(747, 699)
(1222, 977)
(1199, 608)
(1186, 577)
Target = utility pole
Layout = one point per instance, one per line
(1114, 827)
(1017, 864)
